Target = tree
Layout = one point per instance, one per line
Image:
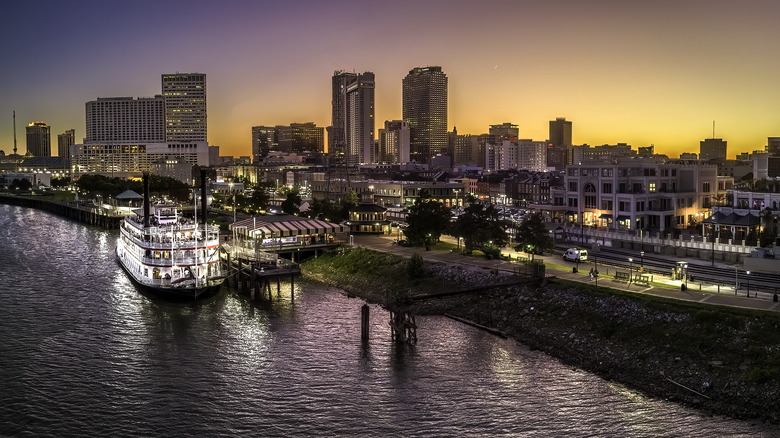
(481, 228)
(292, 203)
(427, 221)
(532, 236)
(415, 267)
(768, 233)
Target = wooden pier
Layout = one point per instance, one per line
(253, 272)
(84, 212)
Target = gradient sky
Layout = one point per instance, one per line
(651, 72)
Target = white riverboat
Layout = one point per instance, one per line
(170, 255)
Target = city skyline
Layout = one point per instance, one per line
(640, 74)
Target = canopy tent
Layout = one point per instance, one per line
(284, 226)
(128, 195)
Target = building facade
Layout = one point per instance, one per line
(126, 136)
(39, 139)
(394, 142)
(184, 95)
(712, 149)
(125, 119)
(560, 132)
(505, 131)
(425, 109)
(640, 194)
(351, 135)
(64, 142)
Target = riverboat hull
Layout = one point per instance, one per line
(172, 292)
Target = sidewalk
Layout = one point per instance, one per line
(662, 286)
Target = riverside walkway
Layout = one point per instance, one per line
(662, 286)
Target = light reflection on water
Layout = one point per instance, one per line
(85, 353)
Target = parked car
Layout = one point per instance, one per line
(574, 254)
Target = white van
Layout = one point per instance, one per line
(574, 254)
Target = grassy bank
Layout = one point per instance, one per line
(731, 356)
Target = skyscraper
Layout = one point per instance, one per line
(559, 150)
(425, 109)
(352, 123)
(184, 95)
(39, 139)
(560, 132)
(64, 141)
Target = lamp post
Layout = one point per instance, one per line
(748, 283)
(596, 271)
(630, 269)
(641, 261)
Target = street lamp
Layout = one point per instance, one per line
(642, 261)
(630, 269)
(748, 283)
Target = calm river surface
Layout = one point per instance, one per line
(82, 353)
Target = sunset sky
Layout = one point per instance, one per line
(655, 72)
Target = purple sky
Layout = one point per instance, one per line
(643, 73)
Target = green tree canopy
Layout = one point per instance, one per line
(481, 228)
(532, 236)
(292, 203)
(427, 221)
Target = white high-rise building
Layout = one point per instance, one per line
(394, 142)
(125, 119)
(532, 155)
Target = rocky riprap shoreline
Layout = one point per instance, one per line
(704, 357)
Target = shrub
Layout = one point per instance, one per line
(415, 267)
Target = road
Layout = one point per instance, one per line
(661, 283)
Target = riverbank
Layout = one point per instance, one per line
(721, 360)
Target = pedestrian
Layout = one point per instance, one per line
(591, 274)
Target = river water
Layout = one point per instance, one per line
(83, 353)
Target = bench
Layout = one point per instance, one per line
(622, 276)
(642, 279)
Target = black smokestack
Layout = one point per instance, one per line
(146, 199)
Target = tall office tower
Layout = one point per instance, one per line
(39, 139)
(394, 142)
(560, 132)
(505, 131)
(773, 146)
(125, 119)
(64, 141)
(360, 119)
(337, 134)
(425, 109)
(351, 135)
(712, 149)
(184, 95)
(263, 141)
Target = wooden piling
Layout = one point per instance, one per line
(364, 321)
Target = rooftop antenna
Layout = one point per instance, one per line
(14, 132)
(16, 162)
